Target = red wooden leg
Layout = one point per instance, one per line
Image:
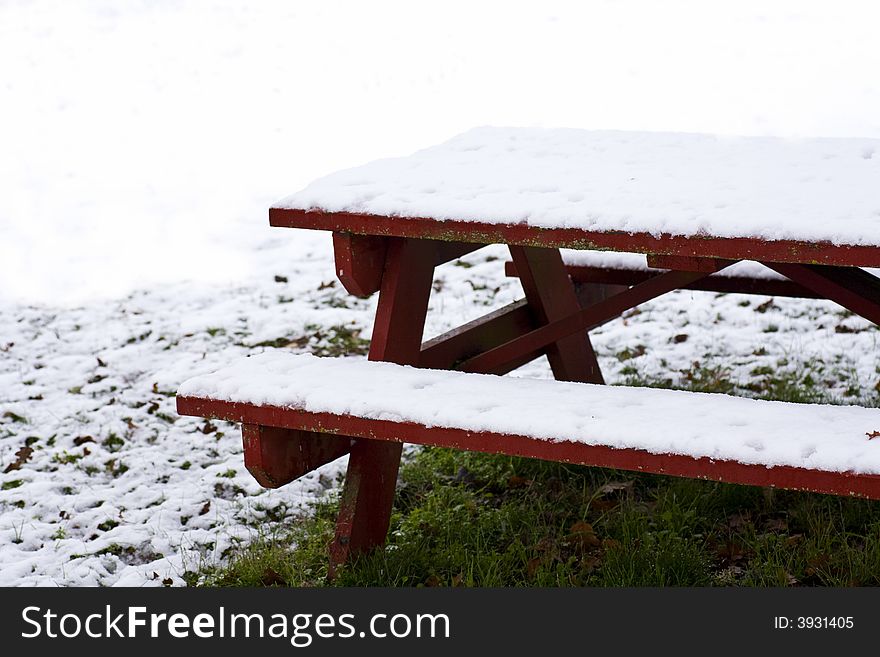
(551, 294)
(365, 507)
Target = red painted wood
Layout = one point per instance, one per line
(580, 321)
(837, 483)
(854, 289)
(729, 248)
(360, 261)
(585, 274)
(551, 296)
(446, 351)
(687, 263)
(368, 493)
(276, 456)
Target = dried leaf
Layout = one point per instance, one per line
(776, 525)
(532, 567)
(616, 487)
(583, 533)
(271, 577)
(22, 456)
(872, 435)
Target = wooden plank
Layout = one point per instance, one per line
(818, 481)
(728, 248)
(772, 287)
(446, 351)
(687, 263)
(276, 456)
(360, 261)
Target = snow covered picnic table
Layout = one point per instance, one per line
(750, 215)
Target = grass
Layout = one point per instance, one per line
(467, 519)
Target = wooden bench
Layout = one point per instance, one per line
(695, 207)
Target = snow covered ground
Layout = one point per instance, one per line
(142, 144)
(120, 490)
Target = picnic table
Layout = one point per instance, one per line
(637, 215)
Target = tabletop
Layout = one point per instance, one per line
(753, 198)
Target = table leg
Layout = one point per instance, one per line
(368, 494)
(552, 296)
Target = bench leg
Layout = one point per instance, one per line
(551, 294)
(368, 494)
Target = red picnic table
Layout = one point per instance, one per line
(702, 210)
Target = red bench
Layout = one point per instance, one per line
(390, 232)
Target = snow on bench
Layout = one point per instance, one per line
(718, 427)
(635, 182)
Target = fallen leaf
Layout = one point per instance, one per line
(532, 566)
(22, 456)
(205, 508)
(584, 534)
(776, 525)
(82, 440)
(616, 487)
(793, 540)
(610, 543)
(739, 520)
(271, 577)
(518, 482)
(432, 581)
(872, 435)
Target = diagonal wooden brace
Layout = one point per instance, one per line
(851, 287)
(489, 361)
(552, 296)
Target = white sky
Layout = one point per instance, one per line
(143, 142)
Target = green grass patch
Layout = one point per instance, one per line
(465, 519)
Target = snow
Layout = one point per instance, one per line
(118, 126)
(722, 427)
(658, 183)
(53, 509)
(143, 143)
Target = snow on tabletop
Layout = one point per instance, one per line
(682, 184)
(718, 426)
